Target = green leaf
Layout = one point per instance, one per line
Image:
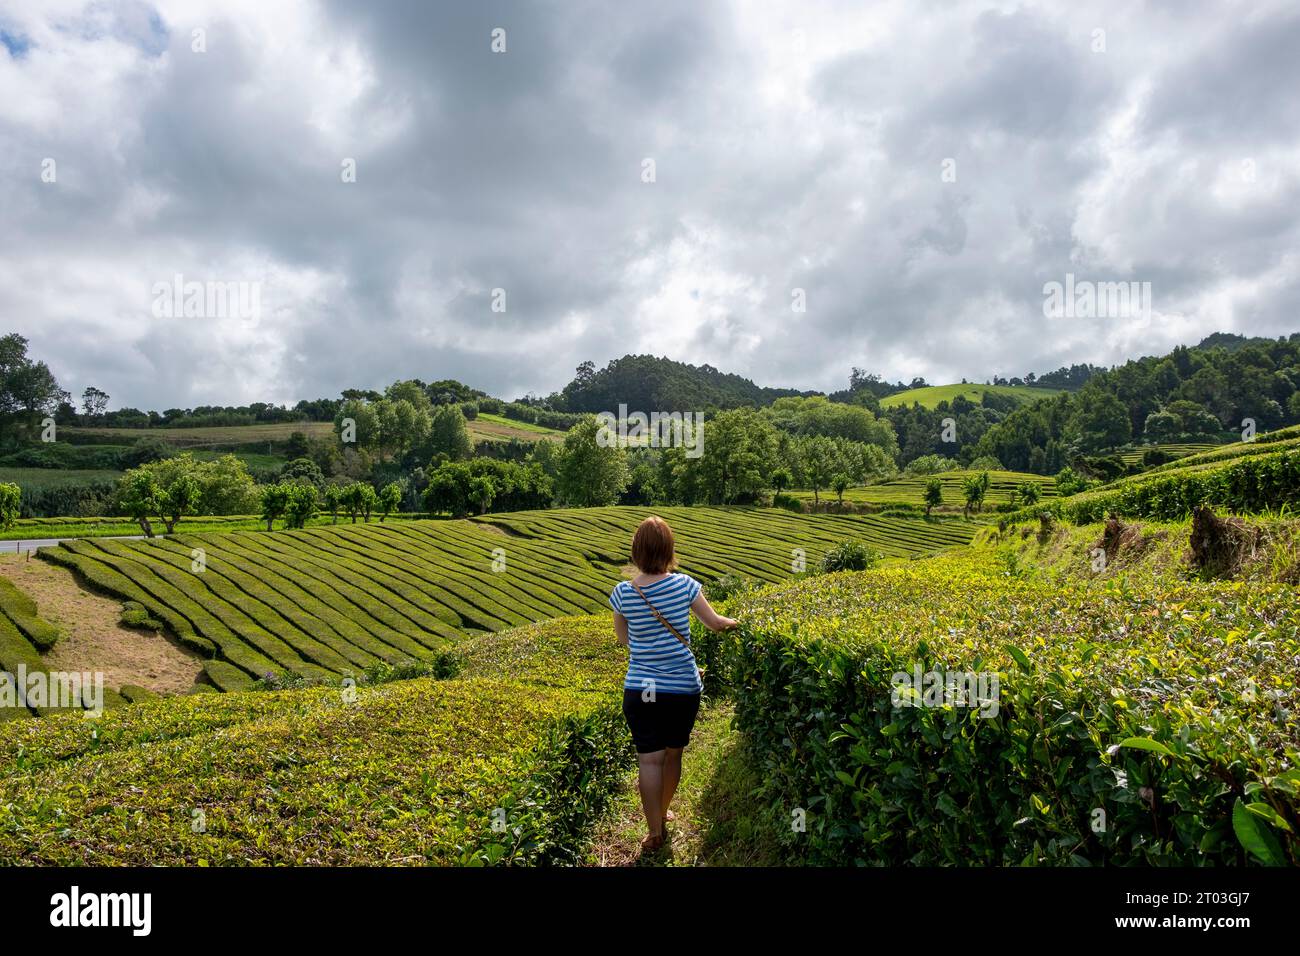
(1019, 657)
(1265, 812)
(1146, 743)
(1253, 834)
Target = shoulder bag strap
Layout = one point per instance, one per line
(659, 617)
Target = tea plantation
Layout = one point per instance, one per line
(1139, 720)
(324, 603)
(511, 761)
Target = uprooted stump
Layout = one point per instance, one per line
(1117, 536)
(1220, 546)
(1046, 525)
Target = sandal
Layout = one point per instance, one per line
(652, 843)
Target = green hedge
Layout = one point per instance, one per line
(1244, 485)
(509, 762)
(21, 610)
(1167, 710)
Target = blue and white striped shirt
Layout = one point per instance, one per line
(657, 659)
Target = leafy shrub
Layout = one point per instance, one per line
(788, 502)
(1160, 708)
(511, 763)
(21, 611)
(726, 585)
(849, 556)
(933, 465)
(134, 615)
(1068, 482)
(1245, 484)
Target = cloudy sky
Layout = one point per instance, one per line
(918, 170)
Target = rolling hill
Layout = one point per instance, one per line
(932, 395)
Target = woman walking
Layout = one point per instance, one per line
(661, 692)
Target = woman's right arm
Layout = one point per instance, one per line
(709, 617)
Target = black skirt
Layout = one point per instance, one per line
(665, 721)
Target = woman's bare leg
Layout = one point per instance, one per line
(672, 774)
(650, 781)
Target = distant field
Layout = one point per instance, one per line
(40, 478)
(1173, 450)
(484, 427)
(498, 427)
(207, 437)
(911, 491)
(932, 395)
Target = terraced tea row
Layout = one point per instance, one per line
(911, 490)
(410, 772)
(323, 603)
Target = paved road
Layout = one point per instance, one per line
(18, 547)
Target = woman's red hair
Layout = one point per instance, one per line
(653, 549)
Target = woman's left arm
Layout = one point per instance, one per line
(620, 628)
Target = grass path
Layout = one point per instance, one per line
(716, 822)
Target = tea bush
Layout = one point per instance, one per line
(510, 762)
(1244, 483)
(1153, 725)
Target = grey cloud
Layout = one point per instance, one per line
(521, 171)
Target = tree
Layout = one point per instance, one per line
(933, 494)
(228, 488)
(449, 434)
(1100, 421)
(974, 489)
(356, 501)
(780, 479)
(11, 500)
(332, 497)
(275, 499)
(138, 496)
(93, 402)
(547, 454)
(817, 415)
(27, 388)
(481, 492)
(817, 464)
(590, 475)
(358, 421)
(444, 492)
(1029, 492)
(389, 499)
(739, 447)
(300, 506)
(181, 486)
(303, 471)
(840, 482)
